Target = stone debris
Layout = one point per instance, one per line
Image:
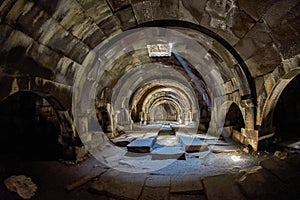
(22, 185)
(281, 154)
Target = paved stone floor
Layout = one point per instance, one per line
(272, 178)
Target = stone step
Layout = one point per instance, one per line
(141, 145)
(166, 130)
(192, 144)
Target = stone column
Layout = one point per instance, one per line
(250, 135)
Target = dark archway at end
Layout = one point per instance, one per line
(234, 118)
(30, 128)
(286, 117)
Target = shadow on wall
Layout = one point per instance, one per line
(29, 128)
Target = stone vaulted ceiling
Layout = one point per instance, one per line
(45, 43)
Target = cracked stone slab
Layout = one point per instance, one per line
(166, 130)
(158, 181)
(263, 185)
(122, 142)
(119, 185)
(141, 145)
(221, 187)
(150, 193)
(187, 184)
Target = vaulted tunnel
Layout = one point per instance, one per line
(151, 86)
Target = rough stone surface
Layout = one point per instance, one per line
(121, 186)
(221, 187)
(188, 184)
(22, 185)
(155, 193)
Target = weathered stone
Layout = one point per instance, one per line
(257, 38)
(96, 9)
(17, 10)
(141, 145)
(119, 185)
(155, 193)
(192, 144)
(94, 37)
(166, 130)
(168, 153)
(288, 44)
(221, 187)
(263, 185)
(256, 9)
(5, 32)
(22, 185)
(118, 4)
(126, 17)
(277, 12)
(143, 11)
(110, 25)
(32, 21)
(195, 7)
(284, 171)
(187, 184)
(264, 61)
(43, 55)
(242, 23)
(66, 70)
(158, 181)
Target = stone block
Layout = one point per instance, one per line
(141, 145)
(156, 193)
(158, 181)
(110, 25)
(187, 184)
(119, 185)
(256, 39)
(118, 4)
(256, 9)
(192, 144)
(126, 17)
(195, 7)
(264, 61)
(94, 37)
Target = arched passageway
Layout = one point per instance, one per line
(29, 128)
(286, 117)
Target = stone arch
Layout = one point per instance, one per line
(267, 128)
(230, 119)
(31, 127)
(52, 93)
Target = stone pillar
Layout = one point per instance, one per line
(250, 135)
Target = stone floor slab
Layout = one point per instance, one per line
(158, 181)
(263, 185)
(119, 185)
(157, 193)
(221, 187)
(187, 184)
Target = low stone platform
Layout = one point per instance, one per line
(141, 145)
(192, 144)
